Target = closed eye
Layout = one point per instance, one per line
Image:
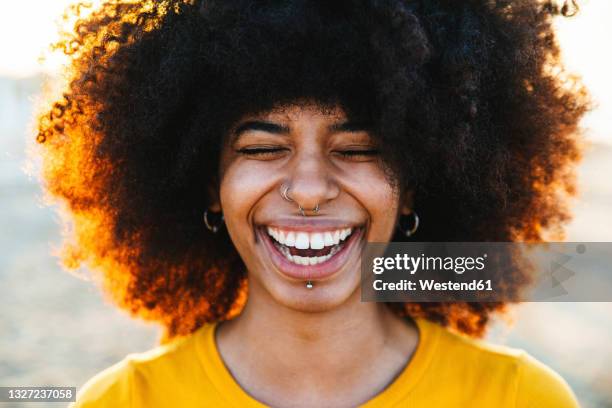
(358, 154)
(263, 152)
(273, 152)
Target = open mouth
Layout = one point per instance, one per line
(310, 254)
(309, 248)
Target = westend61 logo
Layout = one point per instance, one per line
(486, 272)
(413, 264)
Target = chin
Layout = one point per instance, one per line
(322, 297)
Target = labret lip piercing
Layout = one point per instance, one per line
(285, 195)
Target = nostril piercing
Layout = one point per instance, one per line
(285, 193)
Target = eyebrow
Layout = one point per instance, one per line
(349, 126)
(269, 127)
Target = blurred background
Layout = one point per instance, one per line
(56, 329)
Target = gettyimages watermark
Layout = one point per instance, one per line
(487, 272)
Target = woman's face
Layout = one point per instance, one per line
(322, 160)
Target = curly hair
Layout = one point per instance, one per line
(469, 100)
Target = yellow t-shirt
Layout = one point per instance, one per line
(446, 370)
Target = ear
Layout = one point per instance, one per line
(406, 202)
(214, 201)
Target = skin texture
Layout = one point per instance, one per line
(328, 324)
(313, 161)
(469, 104)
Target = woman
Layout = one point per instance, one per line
(222, 165)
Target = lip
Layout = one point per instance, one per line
(311, 272)
(308, 224)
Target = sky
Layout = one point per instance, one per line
(28, 26)
(26, 29)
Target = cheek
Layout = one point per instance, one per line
(372, 189)
(243, 185)
(383, 208)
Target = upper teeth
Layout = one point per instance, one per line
(305, 240)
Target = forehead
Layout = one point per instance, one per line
(301, 111)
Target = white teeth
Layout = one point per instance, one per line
(290, 239)
(301, 240)
(305, 240)
(336, 237)
(308, 260)
(316, 241)
(329, 239)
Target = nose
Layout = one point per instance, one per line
(311, 182)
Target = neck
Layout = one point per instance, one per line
(273, 347)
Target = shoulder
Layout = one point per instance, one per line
(499, 372)
(540, 386)
(121, 384)
(111, 387)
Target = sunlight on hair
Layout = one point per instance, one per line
(584, 40)
(27, 28)
(33, 24)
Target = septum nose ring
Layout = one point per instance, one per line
(314, 210)
(285, 195)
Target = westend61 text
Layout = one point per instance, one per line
(430, 284)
